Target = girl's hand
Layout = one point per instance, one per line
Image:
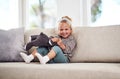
(55, 39)
(61, 44)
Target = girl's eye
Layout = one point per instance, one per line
(61, 29)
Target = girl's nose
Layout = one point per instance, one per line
(64, 31)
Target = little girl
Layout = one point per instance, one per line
(58, 54)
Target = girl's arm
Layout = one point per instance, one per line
(59, 42)
(70, 44)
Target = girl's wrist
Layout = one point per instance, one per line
(61, 45)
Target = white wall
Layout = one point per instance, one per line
(70, 8)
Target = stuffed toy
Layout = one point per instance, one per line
(41, 40)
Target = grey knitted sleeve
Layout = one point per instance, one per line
(70, 44)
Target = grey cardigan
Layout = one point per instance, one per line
(70, 44)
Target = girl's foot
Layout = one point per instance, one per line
(27, 58)
(43, 60)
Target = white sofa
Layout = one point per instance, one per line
(97, 56)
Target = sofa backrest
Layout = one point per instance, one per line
(94, 44)
(37, 31)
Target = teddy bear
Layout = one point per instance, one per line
(41, 40)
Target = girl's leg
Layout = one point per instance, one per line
(55, 54)
(60, 57)
(44, 51)
(27, 58)
(41, 55)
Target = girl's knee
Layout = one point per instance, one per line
(57, 49)
(42, 50)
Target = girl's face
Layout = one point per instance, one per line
(64, 30)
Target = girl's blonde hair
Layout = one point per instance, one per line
(67, 17)
(64, 19)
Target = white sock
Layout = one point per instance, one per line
(43, 60)
(27, 58)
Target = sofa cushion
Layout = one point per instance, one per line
(97, 44)
(60, 71)
(11, 44)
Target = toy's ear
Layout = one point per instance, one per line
(41, 33)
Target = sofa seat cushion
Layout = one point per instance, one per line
(59, 71)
